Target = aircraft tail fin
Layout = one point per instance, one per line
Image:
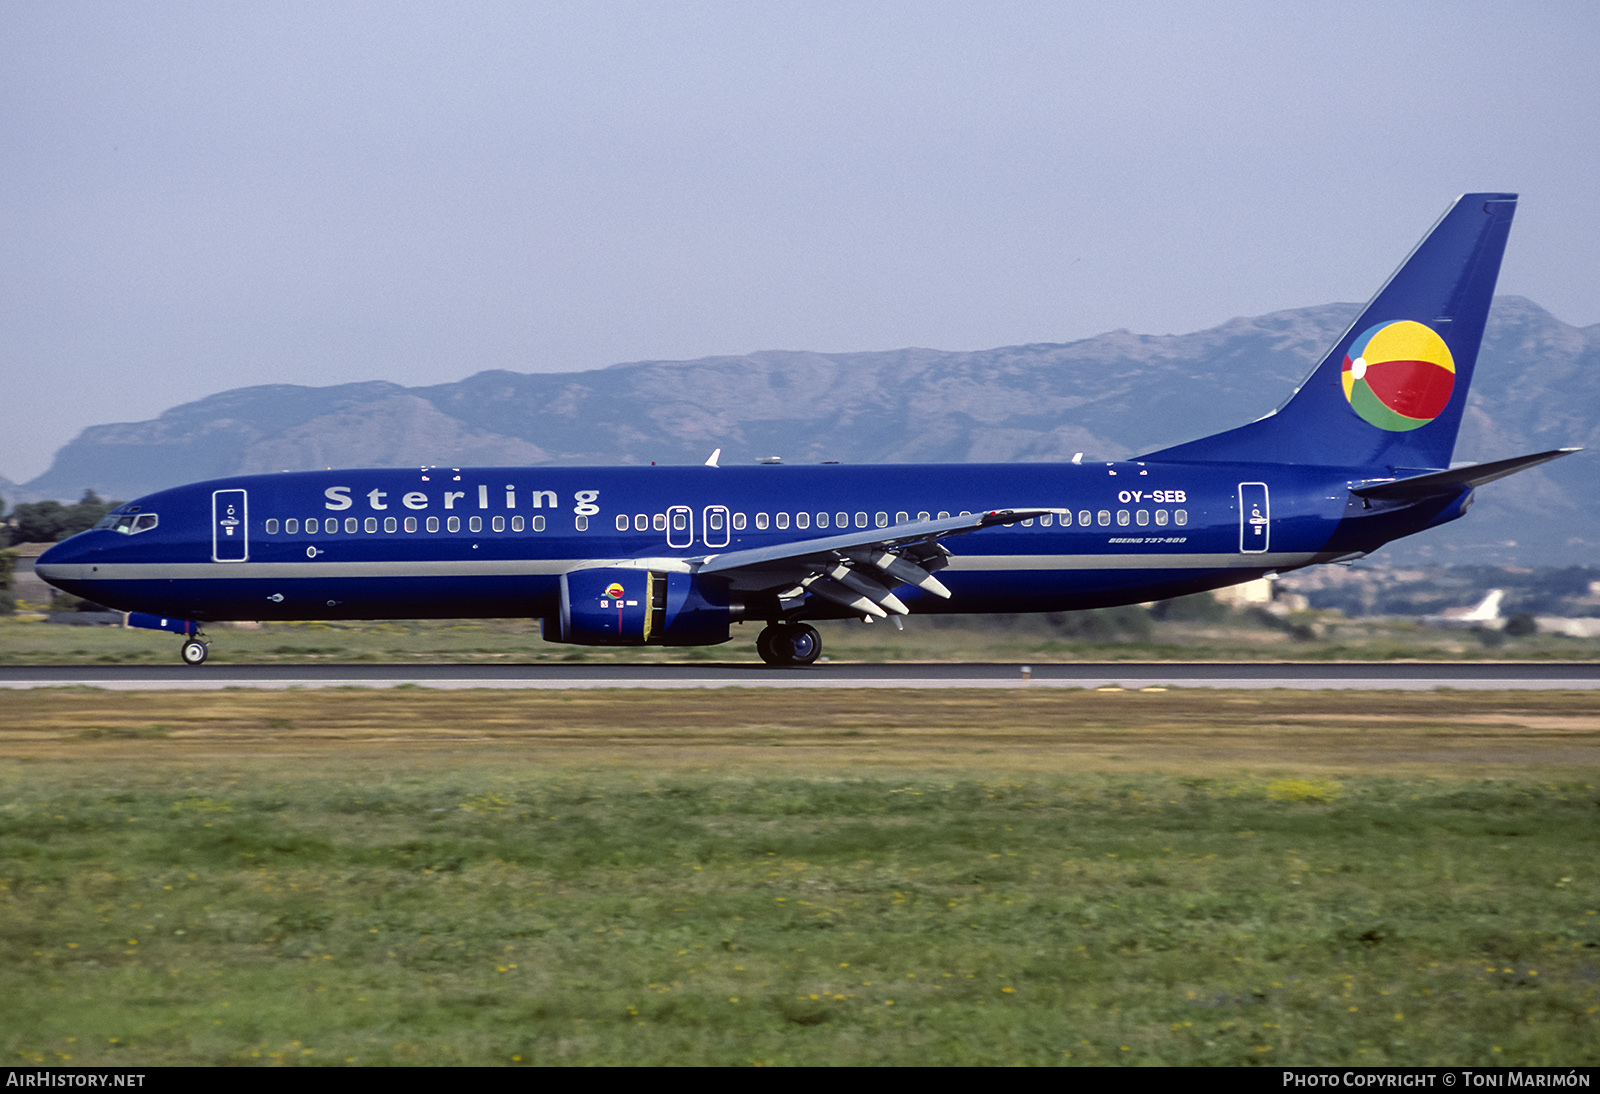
(1488, 608)
(1391, 392)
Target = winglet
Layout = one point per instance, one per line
(716, 455)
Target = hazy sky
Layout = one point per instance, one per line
(195, 197)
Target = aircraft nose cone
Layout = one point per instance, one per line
(69, 552)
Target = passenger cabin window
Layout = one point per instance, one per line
(538, 524)
(802, 520)
(1103, 518)
(738, 522)
(372, 524)
(842, 520)
(1028, 523)
(499, 523)
(822, 520)
(411, 524)
(622, 522)
(881, 520)
(272, 527)
(1122, 518)
(1083, 518)
(433, 524)
(781, 520)
(1161, 517)
(516, 524)
(922, 516)
(390, 524)
(861, 520)
(902, 518)
(453, 524)
(641, 523)
(943, 515)
(658, 522)
(1180, 516)
(680, 521)
(475, 524)
(292, 525)
(581, 523)
(1046, 520)
(1142, 517)
(715, 520)
(351, 525)
(761, 521)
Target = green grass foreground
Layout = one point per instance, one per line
(331, 912)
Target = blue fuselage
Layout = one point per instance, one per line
(494, 542)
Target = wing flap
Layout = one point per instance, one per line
(900, 535)
(860, 570)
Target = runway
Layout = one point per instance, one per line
(1404, 676)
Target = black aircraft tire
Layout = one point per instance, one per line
(767, 648)
(194, 652)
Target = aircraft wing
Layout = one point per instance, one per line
(858, 569)
(1446, 482)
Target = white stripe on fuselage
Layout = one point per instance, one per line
(234, 571)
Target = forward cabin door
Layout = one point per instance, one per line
(1255, 518)
(230, 526)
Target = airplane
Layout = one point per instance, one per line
(1359, 455)
(1486, 615)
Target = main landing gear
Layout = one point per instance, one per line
(789, 644)
(194, 651)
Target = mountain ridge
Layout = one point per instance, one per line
(1110, 396)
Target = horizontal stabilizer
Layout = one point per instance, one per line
(1448, 482)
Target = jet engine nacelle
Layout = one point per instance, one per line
(614, 606)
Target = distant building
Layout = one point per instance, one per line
(1580, 627)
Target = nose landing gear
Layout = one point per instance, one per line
(194, 651)
(789, 644)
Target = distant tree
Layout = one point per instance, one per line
(38, 522)
(49, 521)
(87, 513)
(1195, 608)
(1102, 624)
(8, 562)
(1521, 625)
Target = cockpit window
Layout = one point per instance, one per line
(130, 523)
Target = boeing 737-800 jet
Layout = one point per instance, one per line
(1358, 456)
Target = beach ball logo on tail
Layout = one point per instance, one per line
(1399, 375)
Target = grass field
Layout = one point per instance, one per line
(419, 877)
